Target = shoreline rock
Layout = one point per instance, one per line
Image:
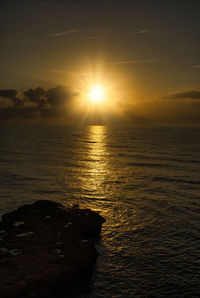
(47, 250)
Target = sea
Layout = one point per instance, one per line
(144, 181)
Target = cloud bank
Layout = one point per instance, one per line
(188, 94)
(12, 95)
(62, 105)
(35, 103)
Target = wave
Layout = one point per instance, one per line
(152, 165)
(20, 177)
(169, 179)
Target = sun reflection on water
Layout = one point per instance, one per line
(97, 160)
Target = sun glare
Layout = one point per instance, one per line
(96, 94)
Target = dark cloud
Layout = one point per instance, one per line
(37, 103)
(37, 96)
(55, 97)
(189, 94)
(59, 96)
(9, 93)
(58, 104)
(12, 95)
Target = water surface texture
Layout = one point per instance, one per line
(144, 181)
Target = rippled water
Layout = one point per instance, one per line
(144, 181)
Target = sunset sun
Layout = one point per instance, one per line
(99, 140)
(96, 94)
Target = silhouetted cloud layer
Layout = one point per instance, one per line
(12, 95)
(59, 105)
(37, 96)
(35, 103)
(189, 94)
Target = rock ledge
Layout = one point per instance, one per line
(47, 250)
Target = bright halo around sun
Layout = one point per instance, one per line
(96, 94)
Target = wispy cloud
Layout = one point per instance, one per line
(63, 33)
(197, 66)
(134, 61)
(140, 32)
(188, 94)
(74, 73)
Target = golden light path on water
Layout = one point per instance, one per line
(93, 177)
(134, 181)
(97, 179)
(97, 155)
(87, 170)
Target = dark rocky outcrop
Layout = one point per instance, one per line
(47, 250)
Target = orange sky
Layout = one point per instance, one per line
(146, 54)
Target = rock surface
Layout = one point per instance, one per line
(47, 250)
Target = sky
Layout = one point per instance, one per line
(145, 53)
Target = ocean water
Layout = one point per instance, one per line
(144, 181)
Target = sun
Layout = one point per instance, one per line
(96, 94)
